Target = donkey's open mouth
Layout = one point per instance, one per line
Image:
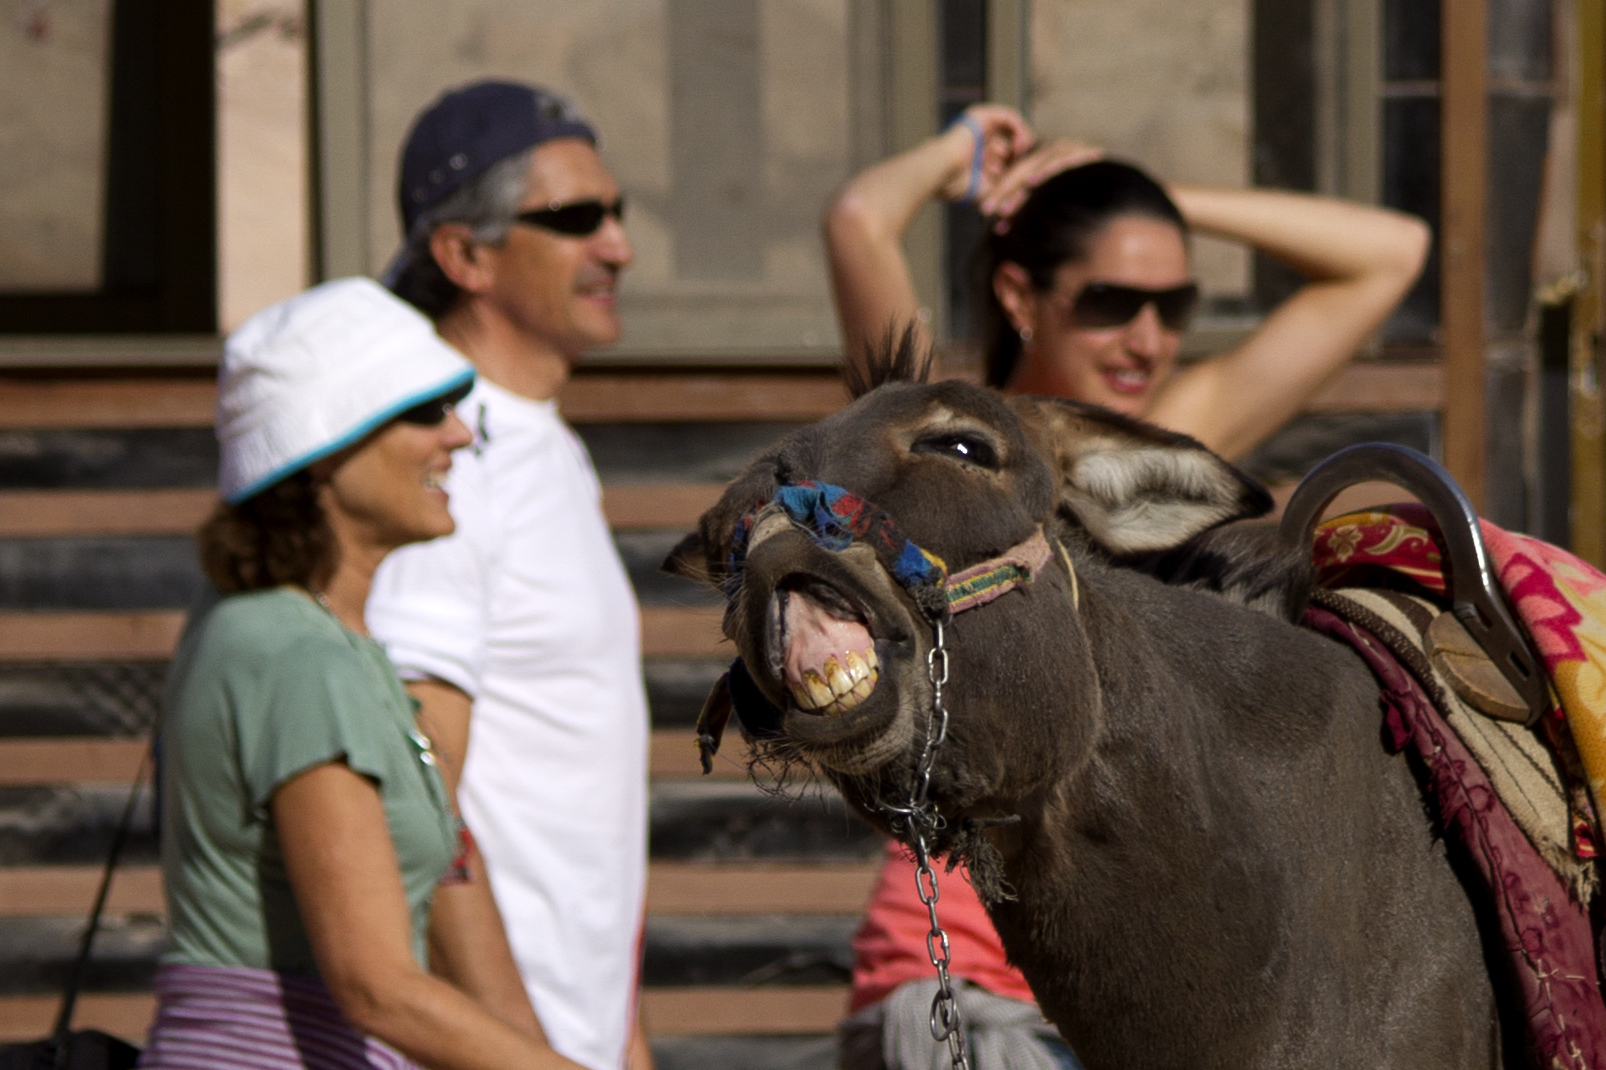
(820, 645)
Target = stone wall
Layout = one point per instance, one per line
(1164, 83)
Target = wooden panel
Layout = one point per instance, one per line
(690, 889)
(625, 398)
(41, 513)
(72, 760)
(47, 513)
(674, 754)
(673, 889)
(126, 1016)
(1382, 388)
(42, 891)
(683, 633)
(601, 398)
(30, 762)
(151, 636)
(783, 1009)
(1464, 181)
(131, 403)
(658, 505)
(88, 636)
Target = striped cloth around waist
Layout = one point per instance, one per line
(233, 1018)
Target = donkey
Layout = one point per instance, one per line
(1174, 804)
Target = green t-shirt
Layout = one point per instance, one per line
(264, 686)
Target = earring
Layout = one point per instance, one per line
(1025, 336)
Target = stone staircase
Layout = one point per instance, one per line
(752, 898)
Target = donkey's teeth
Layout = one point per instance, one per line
(837, 677)
(819, 691)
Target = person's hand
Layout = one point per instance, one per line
(1009, 191)
(1003, 139)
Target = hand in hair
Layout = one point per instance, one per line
(866, 221)
(1005, 138)
(1005, 196)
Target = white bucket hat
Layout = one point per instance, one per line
(314, 374)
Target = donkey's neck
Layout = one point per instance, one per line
(1236, 784)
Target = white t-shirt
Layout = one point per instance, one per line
(528, 609)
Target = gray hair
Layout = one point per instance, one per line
(486, 205)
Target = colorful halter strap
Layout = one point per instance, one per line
(836, 519)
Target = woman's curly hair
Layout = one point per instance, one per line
(276, 537)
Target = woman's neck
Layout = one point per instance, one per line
(345, 594)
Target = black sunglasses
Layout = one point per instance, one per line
(1106, 304)
(430, 413)
(576, 219)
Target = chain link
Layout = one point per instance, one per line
(921, 821)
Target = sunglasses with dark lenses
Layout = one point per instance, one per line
(1105, 304)
(576, 219)
(430, 413)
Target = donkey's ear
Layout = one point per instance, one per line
(1134, 487)
(701, 556)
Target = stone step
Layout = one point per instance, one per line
(674, 889)
(744, 1053)
(119, 698)
(724, 820)
(163, 572)
(684, 1013)
(150, 635)
(731, 821)
(53, 761)
(37, 954)
(766, 950)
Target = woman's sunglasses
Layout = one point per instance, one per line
(1105, 304)
(430, 413)
(576, 219)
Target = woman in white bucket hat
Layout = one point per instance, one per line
(312, 860)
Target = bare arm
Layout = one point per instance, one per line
(865, 222)
(1360, 260)
(467, 942)
(338, 855)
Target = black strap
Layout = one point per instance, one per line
(69, 998)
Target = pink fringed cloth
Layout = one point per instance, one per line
(1522, 803)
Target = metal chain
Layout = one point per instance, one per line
(921, 822)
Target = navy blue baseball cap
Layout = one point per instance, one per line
(471, 128)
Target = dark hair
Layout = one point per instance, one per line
(275, 537)
(486, 205)
(1056, 226)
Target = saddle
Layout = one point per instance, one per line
(1490, 652)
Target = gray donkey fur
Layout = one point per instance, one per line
(1176, 807)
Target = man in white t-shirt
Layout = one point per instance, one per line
(519, 633)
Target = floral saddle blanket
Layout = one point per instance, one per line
(1521, 802)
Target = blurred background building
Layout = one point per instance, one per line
(168, 167)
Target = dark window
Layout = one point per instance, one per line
(963, 83)
(140, 254)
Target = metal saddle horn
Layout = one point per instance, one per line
(1476, 597)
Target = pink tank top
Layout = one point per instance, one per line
(890, 946)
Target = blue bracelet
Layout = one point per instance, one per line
(974, 185)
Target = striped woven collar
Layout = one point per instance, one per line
(836, 519)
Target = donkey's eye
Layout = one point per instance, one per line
(971, 448)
